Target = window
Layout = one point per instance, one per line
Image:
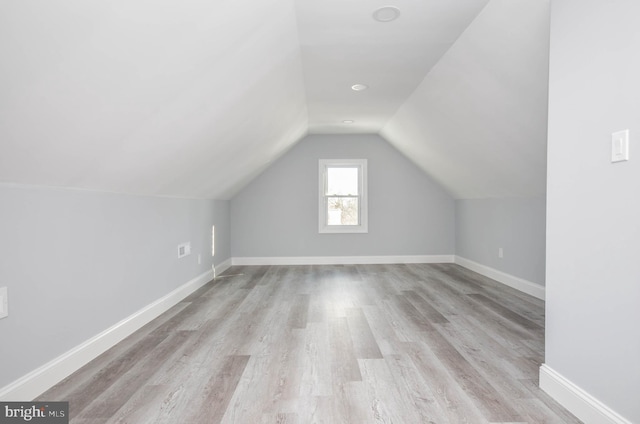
(343, 196)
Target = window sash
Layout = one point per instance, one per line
(358, 188)
(328, 210)
(325, 213)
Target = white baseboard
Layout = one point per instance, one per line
(43, 378)
(223, 266)
(580, 403)
(533, 289)
(343, 260)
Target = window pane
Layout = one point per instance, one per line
(342, 181)
(342, 211)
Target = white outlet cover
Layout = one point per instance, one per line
(620, 146)
(4, 302)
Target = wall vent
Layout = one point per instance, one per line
(184, 249)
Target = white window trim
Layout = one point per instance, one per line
(323, 228)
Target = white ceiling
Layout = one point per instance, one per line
(342, 45)
(194, 98)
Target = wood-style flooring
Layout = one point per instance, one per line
(401, 344)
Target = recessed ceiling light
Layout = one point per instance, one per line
(359, 87)
(386, 14)
(348, 121)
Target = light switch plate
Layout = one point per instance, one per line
(4, 302)
(620, 146)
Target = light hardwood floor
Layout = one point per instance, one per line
(401, 344)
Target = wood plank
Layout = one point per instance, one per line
(344, 364)
(417, 392)
(384, 398)
(136, 409)
(327, 344)
(212, 403)
(299, 311)
(493, 405)
(83, 377)
(128, 383)
(506, 312)
(425, 307)
(451, 399)
(364, 344)
(315, 369)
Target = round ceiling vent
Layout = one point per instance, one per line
(386, 14)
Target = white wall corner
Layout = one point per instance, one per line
(580, 403)
(223, 266)
(343, 260)
(43, 378)
(525, 286)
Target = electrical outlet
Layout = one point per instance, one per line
(500, 252)
(199, 258)
(4, 303)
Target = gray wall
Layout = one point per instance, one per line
(408, 213)
(593, 230)
(515, 224)
(77, 262)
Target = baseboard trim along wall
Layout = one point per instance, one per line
(343, 260)
(43, 378)
(577, 401)
(533, 289)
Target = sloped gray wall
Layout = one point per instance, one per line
(77, 262)
(517, 225)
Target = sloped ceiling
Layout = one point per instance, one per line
(193, 98)
(478, 121)
(343, 45)
(164, 97)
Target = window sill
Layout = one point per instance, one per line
(351, 229)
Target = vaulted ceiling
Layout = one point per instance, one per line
(194, 98)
